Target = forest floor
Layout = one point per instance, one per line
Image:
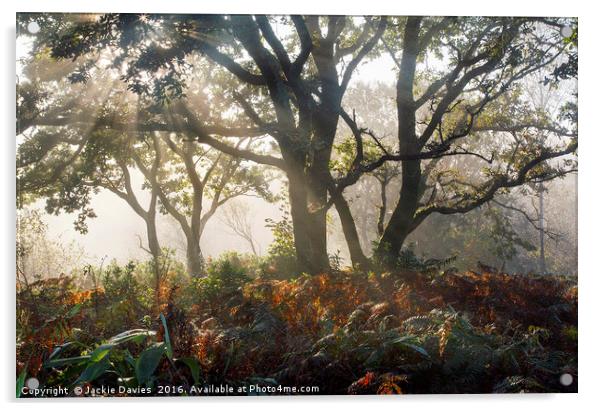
(340, 333)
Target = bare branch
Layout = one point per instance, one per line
(491, 187)
(367, 48)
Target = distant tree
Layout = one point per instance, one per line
(39, 256)
(237, 219)
(66, 164)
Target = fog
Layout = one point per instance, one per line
(116, 232)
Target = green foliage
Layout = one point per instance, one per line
(147, 363)
(408, 260)
(21, 381)
(97, 362)
(281, 258)
(506, 242)
(225, 275)
(489, 234)
(347, 332)
(128, 294)
(283, 244)
(112, 361)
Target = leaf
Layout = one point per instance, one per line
(375, 358)
(101, 352)
(94, 370)
(148, 361)
(61, 347)
(59, 362)
(167, 339)
(136, 335)
(74, 311)
(194, 367)
(21, 381)
(129, 359)
(404, 341)
(418, 349)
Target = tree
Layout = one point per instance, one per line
(470, 98)
(68, 163)
(369, 196)
(297, 101)
(236, 217)
(302, 125)
(205, 172)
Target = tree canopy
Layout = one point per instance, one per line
(193, 100)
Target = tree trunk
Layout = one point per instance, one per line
(382, 211)
(364, 231)
(194, 257)
(317, 174)
(542, 253)
(153, 239)
(309, 229)
(155, 251)
(401, 223)
(358, 259)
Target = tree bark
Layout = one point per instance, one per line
(358, 258)
(401, 222)
(155, 250)
(194, 258)
(382, 211)
(309, 229)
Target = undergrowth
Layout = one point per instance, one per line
(344, 332)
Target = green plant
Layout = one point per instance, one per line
(225, 275)
(407, 260)
(126, 297)
(281, 257)
(113, 362)
(344, 331)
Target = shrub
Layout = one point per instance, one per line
(225, 275)
(281, 262)
(346, 332)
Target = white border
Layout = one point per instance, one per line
(589, 197)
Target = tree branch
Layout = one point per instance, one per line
(195, 130)
(366, 48)
(490, 188)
